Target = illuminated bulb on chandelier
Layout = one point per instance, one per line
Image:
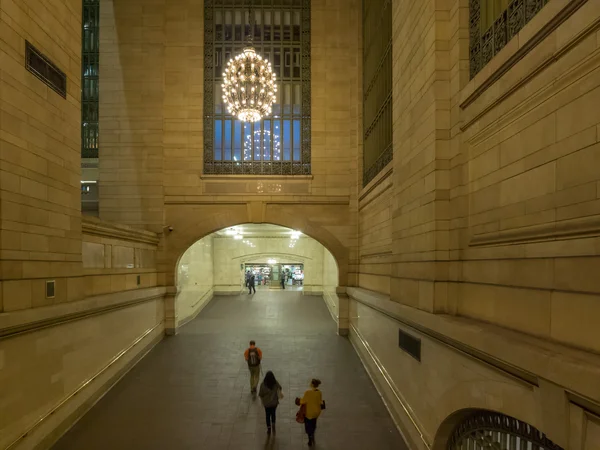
(257, 92)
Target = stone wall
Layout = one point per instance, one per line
(491, 204)
(40, 223)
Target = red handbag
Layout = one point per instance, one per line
(301, 414)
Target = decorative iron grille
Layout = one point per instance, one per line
(90, 67)
(44, 69)
(485, 430)
(280, 32)
(377, 87)
(485, 43)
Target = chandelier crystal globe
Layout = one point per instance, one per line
(249, 86)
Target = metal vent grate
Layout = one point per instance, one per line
(45, 70)
(410, 344)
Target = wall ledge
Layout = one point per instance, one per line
(522, 357)
(566, 229)
(96, 227)
(29, 320)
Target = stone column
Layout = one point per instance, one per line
(132, 90)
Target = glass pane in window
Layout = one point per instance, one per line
(268, 33)
(238, 25)
(277, 140)
(267, 140)
(297, 99)
(286, 141)
(227, 140)
(287, 69)
(297, 149)
(287, 98)
(218, 140)
(218, 98)
(277, 25)
(297, 63)
(277, 103)
(237, 141)
(228, 26)
(287, 26)
(247, 141)
(256, 140)
(296, 29)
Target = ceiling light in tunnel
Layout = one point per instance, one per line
(271, 261)
(238, 237)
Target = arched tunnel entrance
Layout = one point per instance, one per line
(278, 258)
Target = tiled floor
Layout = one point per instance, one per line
(192, 390)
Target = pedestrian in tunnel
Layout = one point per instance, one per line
(314, 404)
(251, 283)
(253, 356)
(270, 393)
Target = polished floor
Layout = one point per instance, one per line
(192, 390)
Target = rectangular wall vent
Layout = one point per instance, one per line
(45, 70)
(410, 344)
(139, 280)
(50, 289)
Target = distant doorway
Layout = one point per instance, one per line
(274, 275)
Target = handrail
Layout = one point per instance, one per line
(393, 388)
(82, 386)
(525, 377)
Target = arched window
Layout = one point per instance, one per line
(280, 32)
(483, 430)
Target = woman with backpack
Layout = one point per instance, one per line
(270, 393)
(313, 404)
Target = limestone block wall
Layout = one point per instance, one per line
(117, 257)
(492, 200)
(40, 224)
(525, 193)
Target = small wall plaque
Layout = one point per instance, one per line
(410, 344)
(50, 289)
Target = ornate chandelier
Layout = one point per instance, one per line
(249, 86)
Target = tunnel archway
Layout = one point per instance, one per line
(186, 232)
(215, 265)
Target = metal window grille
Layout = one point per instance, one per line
(276, 145)
(489, 430)
(90, 67)
(485, 43)
(377, 87)
(44, 69)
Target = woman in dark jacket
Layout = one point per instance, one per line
(270, 393)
